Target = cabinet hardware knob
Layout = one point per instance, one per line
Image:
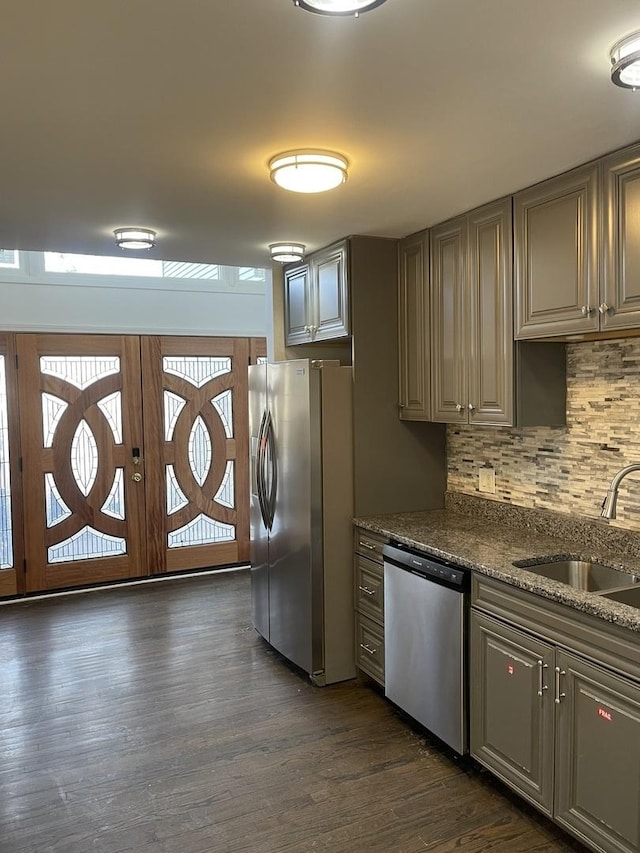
(459, 407)
(541, 685)
(472, 408)
(368, 649)
(559, 696)
(604, 308)
(366, 590)
(587, 310)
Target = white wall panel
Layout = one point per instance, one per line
(57, 307)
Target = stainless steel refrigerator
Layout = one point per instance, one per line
(300, 421)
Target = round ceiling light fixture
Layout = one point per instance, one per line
(338, 7)
(625, 62)
(135, 238)
(286, 253)
(308, 171)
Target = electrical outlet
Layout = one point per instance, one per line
(487, 480)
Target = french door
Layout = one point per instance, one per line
(81, 438)
(197, 459)
(134, 456)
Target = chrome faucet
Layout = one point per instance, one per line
(611, 498)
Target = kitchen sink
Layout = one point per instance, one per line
(582, 574)
(630, 596)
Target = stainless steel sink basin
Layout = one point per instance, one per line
(625, 596)
(581, 574)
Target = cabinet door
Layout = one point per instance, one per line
(621, 291)
(556, 255)
(598, 755)
(512, 708)
(330, 297)
(297, 305)
(413, 328)
(490, 362)
(449, 329)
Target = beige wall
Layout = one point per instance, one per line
(565, 468)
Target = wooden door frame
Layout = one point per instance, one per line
(12, 581)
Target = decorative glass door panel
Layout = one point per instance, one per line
(81, 415)
(199, 503)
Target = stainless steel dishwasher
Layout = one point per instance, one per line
(425, 626)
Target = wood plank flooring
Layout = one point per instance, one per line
(153, 719)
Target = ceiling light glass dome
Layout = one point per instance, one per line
(338, 7)
(135, 238)
(625, 62)
(286, 253)
(308, 171)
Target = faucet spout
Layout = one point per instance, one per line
(611, 498)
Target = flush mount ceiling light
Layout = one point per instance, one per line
(308, 171)
(135, 238)
(625, 62)
(286, 253)
(338, 7)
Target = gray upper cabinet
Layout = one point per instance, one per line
(556, 255)
(413, 328)
(316, 297)
(449, 321)
(472, 328)
(621, 279)
(297, 300)
(490, 352)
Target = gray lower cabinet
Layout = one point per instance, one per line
(560, 729)
(511, 723)
(369, 603)
(597, 793)
(316, 297)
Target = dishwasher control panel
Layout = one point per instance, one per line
(421, 564)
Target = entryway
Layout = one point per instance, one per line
(127, 457)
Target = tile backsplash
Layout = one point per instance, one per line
(565, 468)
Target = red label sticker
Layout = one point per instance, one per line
(511, 669)
(606, 715)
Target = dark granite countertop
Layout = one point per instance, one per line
(488, 537)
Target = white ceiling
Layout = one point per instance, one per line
(164, 113)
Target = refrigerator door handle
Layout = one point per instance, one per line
(260, 481)
(273, 485)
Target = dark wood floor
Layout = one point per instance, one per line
(153, 719)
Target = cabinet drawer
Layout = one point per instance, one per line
(369, 544)
(370, 648)
(369, 592)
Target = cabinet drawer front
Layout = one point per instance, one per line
(370, 545)
(369, 588)
(370, 648)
